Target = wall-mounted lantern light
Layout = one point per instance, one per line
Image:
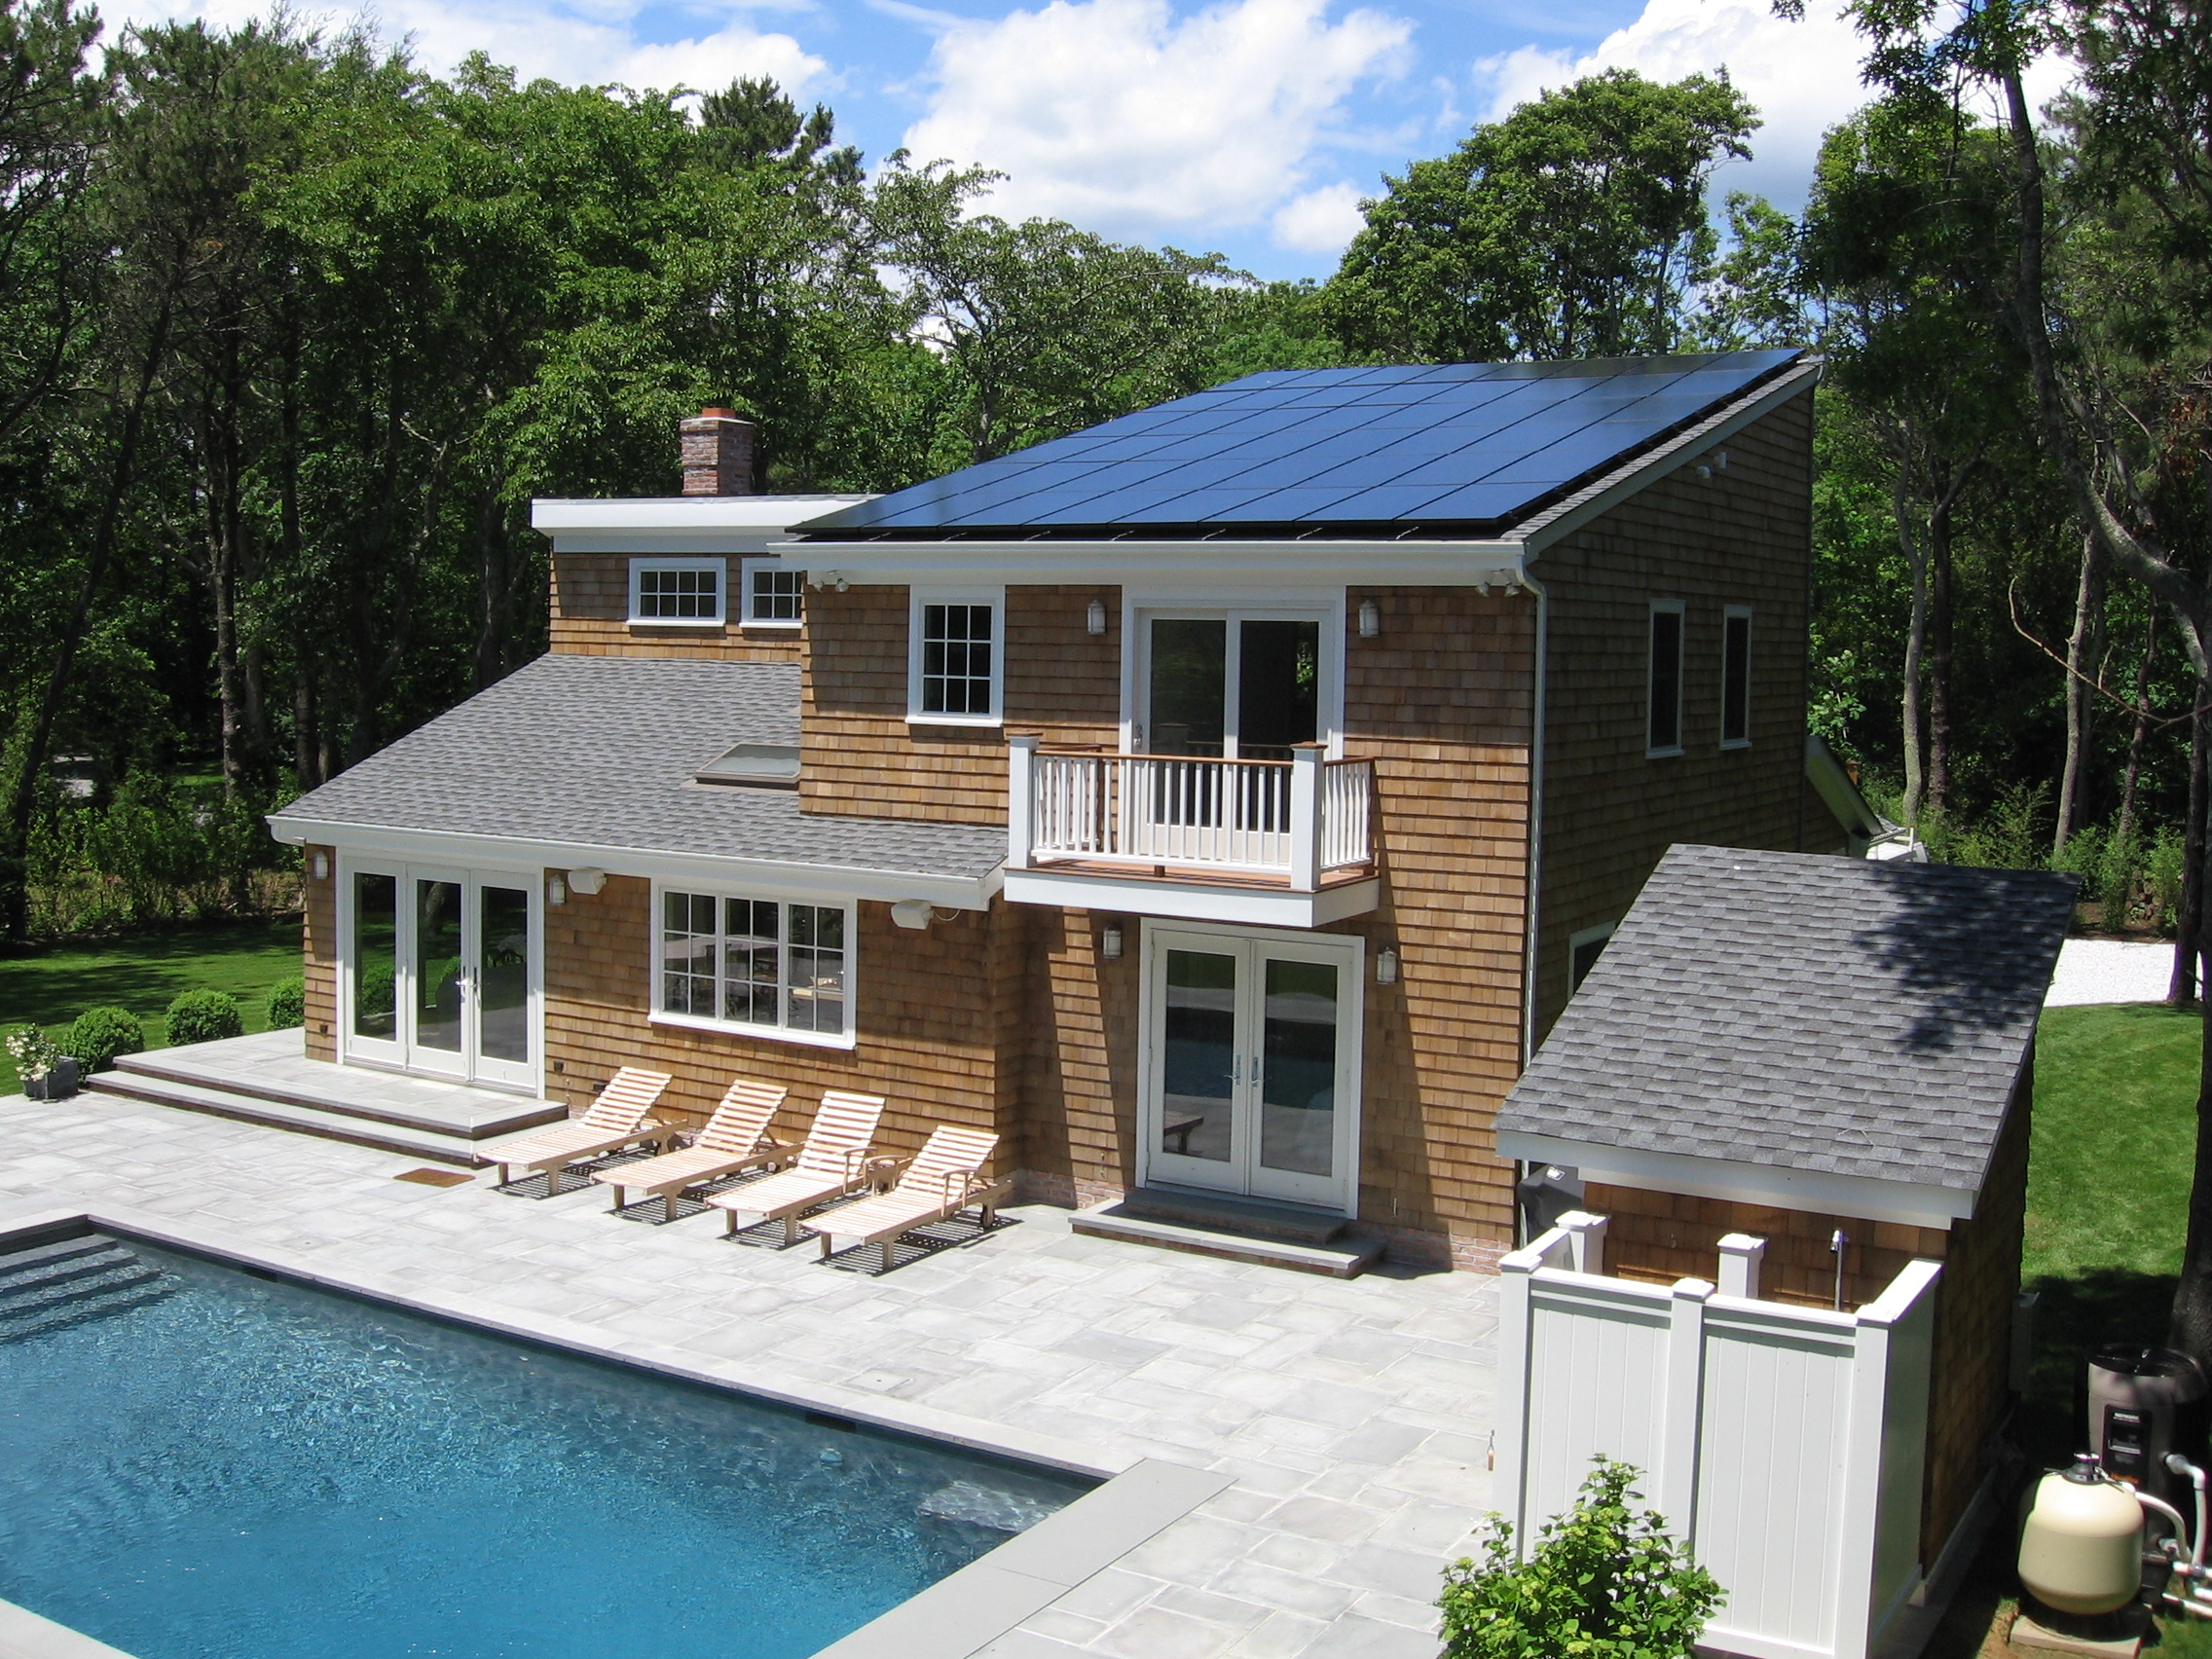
(1110, 942)
(1370, 619)
(1095, 617)
(556, 890)
(1386, 964)
(321, 865)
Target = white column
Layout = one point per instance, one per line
(1306, 817)
(1741, 1256)
(1020, 796)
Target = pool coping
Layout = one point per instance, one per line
(957, 1616)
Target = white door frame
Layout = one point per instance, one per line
(1140, 607)
(1347, 950)
(403, 1054)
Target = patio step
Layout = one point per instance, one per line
(1207, 1230)
(444, 1109)
(441, 1146)
(1293, 1224)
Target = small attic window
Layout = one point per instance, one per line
(754, 765)
(677, 593)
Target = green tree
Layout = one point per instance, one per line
(1576, 227)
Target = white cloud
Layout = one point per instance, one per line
(1126, 118)
(582, 42)
(1320, 221)
(1803, 77)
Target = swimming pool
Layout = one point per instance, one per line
(200, 1462)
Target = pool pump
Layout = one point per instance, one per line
(2082, 1542)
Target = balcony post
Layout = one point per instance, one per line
(1020, 796)
(1306, 817)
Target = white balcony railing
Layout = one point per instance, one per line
(1296, 820)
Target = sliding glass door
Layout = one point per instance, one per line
(440, 972)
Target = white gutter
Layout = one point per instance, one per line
(800, 880)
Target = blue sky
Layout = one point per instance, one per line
(1247, 127)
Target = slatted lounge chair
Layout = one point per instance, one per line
(736, 1137)
(621, 1115)
(833, 1162)
(945, 1177)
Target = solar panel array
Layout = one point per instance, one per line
(1463, 444)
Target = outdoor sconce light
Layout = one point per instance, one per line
(1095, 617)
(588, 882)
(322, 867)
(1386, 964)
(556, 890)
(1110, 942)
(1370, 619)
(832, 580)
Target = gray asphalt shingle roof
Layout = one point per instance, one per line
(1814, 1014)
(600, 751)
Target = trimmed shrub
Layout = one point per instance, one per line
(287, 1005)
(99, 1033)
(1603, 1582)
(205, 1016)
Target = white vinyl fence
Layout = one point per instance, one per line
(1785, 1444)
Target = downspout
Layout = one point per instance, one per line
(1535, 807)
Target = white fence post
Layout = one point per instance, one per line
(1741, 1257)
(1306, 817)
(1510, 1441)
(1676, 1474)
(1586, 1239)
(1020, 797)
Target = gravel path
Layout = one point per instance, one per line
(2110, 970)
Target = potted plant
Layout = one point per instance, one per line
(48, 1073)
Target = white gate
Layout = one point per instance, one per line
(1785, 1444)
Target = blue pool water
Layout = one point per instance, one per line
(198, 1463)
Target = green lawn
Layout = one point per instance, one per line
(2108, 1190)
(50, 985)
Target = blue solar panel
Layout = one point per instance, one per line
(1443, 443)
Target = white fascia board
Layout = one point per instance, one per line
(1192, 901)
(812, 881)
(679, 524)
(1333, 564)
(1914, 1203)
(1646, 470)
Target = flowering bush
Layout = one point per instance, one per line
(33, 1052)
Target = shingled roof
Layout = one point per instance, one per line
(601, 753)
(1820, 1016)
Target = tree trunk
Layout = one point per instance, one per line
(2189, 1328)
(1915, 641)
(2081, 647)
(2181, 989)
(2136, 742)
(1940, 653)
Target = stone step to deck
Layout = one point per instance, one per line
(439, 1146)
(1181, 1208)
(1347, 1259)
(451, 1110)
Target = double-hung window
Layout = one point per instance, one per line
(775, 594)
(1662, 727)
(757, 964)
(1736, 676)
(678, 593)
(956, 660)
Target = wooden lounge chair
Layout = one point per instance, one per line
(736, 1137)
(945, 1177)
(833, 1162)
(620, 1117)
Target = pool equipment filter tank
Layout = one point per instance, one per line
(2081, 1542)
(2144, 1405)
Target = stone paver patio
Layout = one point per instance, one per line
(1355, 1416)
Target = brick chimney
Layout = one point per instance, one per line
(718, 454)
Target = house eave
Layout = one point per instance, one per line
(1488, 563)
(800, 880)
(1192, 900)
(679, 524)
(1865, 1197)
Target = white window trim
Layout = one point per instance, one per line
(995, 598)
(697, 562)
(1728, 614)
(746, 619)
(1673, 607)
(659, 1016)
(1574, 944)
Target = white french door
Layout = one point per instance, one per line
(1251, 1075)
(441, 972)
